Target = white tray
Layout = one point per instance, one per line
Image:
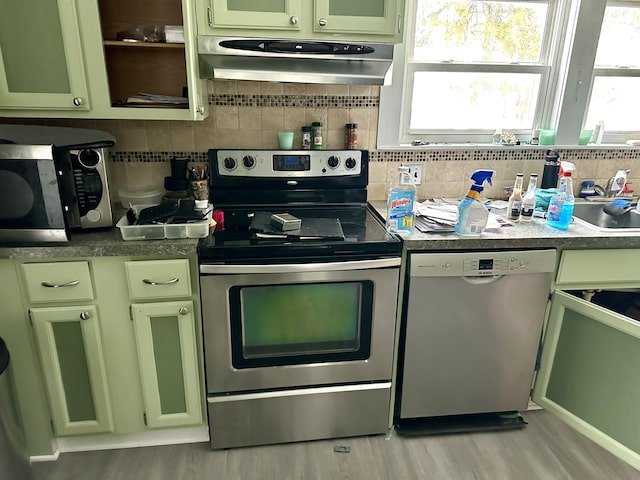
(159, 231)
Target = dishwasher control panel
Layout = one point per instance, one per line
(481, 264)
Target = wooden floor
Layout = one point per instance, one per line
(546, 449)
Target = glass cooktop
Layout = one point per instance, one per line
(364, 237)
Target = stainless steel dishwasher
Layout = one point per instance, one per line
(472, 331)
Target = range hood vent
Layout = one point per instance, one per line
(303, 61)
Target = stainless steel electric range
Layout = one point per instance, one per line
(298, 325)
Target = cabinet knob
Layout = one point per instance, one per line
(293, 20)
(322, 22)
(85, 315)
(77, 101)
(183, 310)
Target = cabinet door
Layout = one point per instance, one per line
(267, 14)
(70, 350)
(41, 63)
(377, 17)
(168, 361)
(589, 374)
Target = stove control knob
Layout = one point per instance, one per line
(333, 161)
(350, 163)
(229, 163)
(248, 161)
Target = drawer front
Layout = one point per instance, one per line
(158, 279)
(607, 268)
(58, 282)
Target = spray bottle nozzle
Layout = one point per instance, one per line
(566, 168)
(481, 176)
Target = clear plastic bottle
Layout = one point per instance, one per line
(561, 204)
(400, 203)
(515, 200)
(529, 199)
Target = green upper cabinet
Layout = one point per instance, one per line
(76, 59)
(267, 14)
(339, 20)
(41, 58)
(357, 16)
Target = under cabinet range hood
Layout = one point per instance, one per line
(301, 61)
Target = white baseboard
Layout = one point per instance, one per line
(533, 406)
(45, 458)
(171, 436)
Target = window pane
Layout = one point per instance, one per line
(461, 101)
(619, 43)
(478, 31)
(615, 100)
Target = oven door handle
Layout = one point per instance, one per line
(305, 267)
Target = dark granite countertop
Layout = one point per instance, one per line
(534, 234)
(102, 243)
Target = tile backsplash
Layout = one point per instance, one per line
(246, 114)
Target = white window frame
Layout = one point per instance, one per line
(565, 87)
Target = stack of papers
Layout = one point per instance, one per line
(446, 214)
(148, 99)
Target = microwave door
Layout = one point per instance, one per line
(30, 203)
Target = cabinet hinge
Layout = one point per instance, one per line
(210, 16)
(131, 312)
(399, 24)
(30, 318)
(52, 427)
(144, 418)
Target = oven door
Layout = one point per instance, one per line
(30, 204)
(274, 326)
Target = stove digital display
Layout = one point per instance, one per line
(291, 163)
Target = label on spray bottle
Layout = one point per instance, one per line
(401, 211)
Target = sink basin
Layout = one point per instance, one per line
(592, 215)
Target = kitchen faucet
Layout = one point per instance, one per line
(615, 185)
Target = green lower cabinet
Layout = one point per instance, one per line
(167, 357)
(590, 374)
(72, 361)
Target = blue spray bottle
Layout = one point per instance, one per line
(472, 214)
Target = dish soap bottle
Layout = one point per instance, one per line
(402, 195)
(472, 214)
(561, 204)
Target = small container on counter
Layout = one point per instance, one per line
(316, 136)
(306, 138)
(351, 136)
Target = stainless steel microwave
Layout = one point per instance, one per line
(47, 190)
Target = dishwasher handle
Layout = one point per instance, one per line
(482, 280)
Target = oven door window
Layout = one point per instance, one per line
(300, 323)
(29, 196)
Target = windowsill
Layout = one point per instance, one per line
(489, 146)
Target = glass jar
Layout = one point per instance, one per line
(316, 136)
(351, 136)
(306, 137)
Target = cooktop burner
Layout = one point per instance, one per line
(326, 184)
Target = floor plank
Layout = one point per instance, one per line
(545, 449)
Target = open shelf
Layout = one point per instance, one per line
(142, 67)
